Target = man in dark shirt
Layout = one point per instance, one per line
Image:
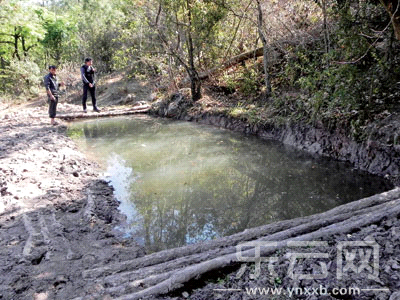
(87, 74)
(52, 89)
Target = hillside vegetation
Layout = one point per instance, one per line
(329, 63)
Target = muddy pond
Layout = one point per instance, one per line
(180, 182)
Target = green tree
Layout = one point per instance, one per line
(20, 33)
(20, 29)
(59, 41)
(99, 27)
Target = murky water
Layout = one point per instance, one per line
(181, 182)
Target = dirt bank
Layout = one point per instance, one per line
(57, 217)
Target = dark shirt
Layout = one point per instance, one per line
(50, 83)
(87, 74)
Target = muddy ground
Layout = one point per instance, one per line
(57, 216)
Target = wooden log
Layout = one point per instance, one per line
(183, 275)
(227, 64)
(233, 61)
(363, 209)
(102, 114)
(188, 253)
(138, 274)
(135, 284)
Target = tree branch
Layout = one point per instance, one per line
(374, 43)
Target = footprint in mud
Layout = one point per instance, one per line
(60, 282)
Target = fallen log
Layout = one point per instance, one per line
(147, 272)
(184, 255)
(102, 114)
(183, 275)
(255, 53)
(233, 61)
(153, 275)
(227, 64)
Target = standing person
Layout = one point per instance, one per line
(87, 74)
(52, 89)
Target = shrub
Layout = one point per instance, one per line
(21, 77)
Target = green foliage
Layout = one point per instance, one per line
(201, 20)
(247, 81)
(20, 30)
(20, 49)
(207, 16)
(99, 28)
(21, 77)
(248, 112)
(346, 87)
(62, 32)
(60, 41)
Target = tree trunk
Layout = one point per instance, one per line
(16, 38)
(24, 47)
(265, 50)
(195, 85)
(393, 8)
(195, 82)
(326, 32)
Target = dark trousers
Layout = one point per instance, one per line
(92, 91)
(52, 107)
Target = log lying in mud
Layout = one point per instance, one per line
(313, 222)
(106, 113)
(180, 276)
(165, 271)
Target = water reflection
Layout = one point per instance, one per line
(187, 182)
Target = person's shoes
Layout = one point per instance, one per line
(54, 123)
(85, 110)
(96, 109)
